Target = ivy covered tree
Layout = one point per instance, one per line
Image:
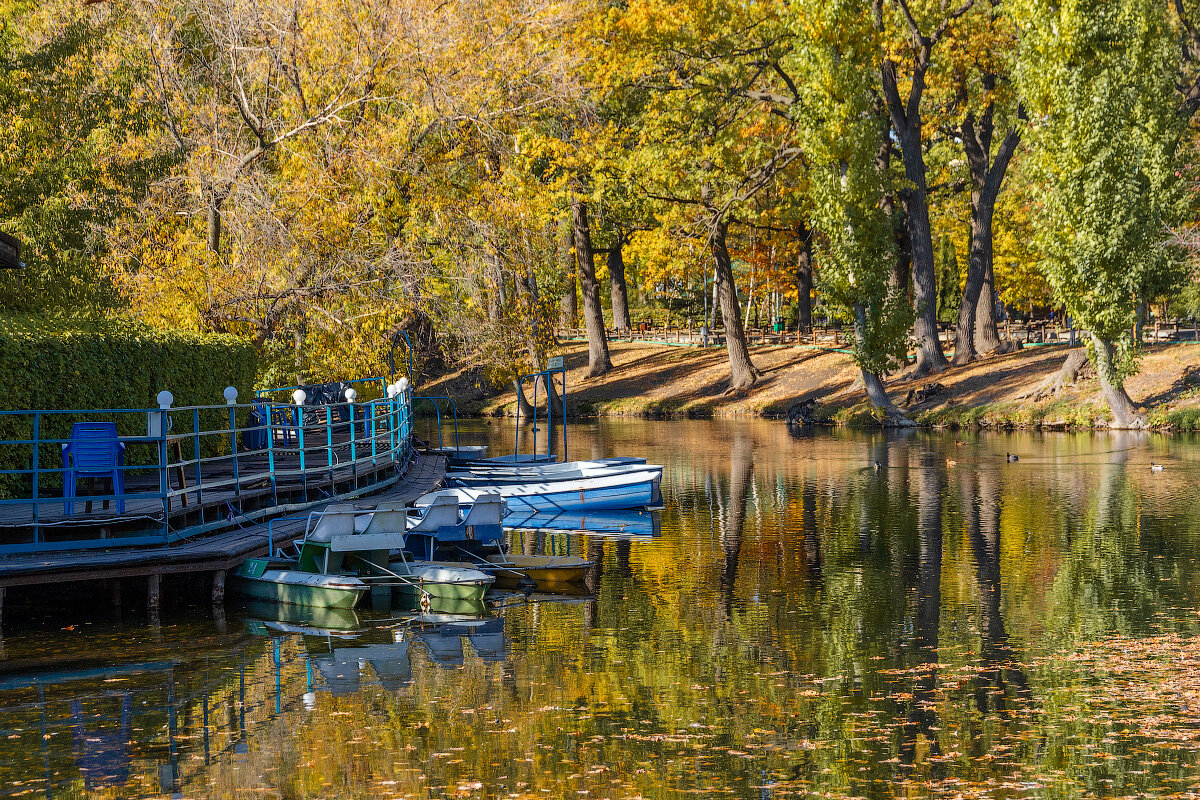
(856, 242)
(1099, 78)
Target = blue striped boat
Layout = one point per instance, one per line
(638, 489)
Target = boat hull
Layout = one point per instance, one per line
(293, 587)
(634, 490)
(440, 582)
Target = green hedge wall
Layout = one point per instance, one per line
(64, 362)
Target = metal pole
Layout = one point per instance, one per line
(37, 421)
(196, 454)
(329, 445)
(517, 445)
(237, 481)
(271, 452)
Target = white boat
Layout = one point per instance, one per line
(263, 579)
(552, 467)
(636, 489)
(566, 471)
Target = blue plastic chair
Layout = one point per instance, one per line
(255, 436)
(94, 451)
(290, 422)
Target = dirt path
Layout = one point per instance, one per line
(659, 379)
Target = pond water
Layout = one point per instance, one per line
(798, 622)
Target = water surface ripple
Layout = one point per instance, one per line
(822, 613)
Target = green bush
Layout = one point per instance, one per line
(57, 362)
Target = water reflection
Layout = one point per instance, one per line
(949, 623)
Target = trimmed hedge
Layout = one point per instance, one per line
(65, 362)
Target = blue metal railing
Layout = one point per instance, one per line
(433, 401)
(182, 460)
(547, 375)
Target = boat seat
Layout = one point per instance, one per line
(488, 509)
(386, 518)
(442, 511)
(335, 520)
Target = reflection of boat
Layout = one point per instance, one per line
(272, 580)
(266, 618)
(487, 639)
(443, 644)
(611, 523)
(343, 668)
(627, 490)
(442, 609)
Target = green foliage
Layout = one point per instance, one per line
(948, 278)
(66, 362)
(1099, 79)
(841, 132)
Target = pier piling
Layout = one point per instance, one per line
(218, 587)
(153, 593)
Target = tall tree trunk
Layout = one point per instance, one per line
(987, 334)
(593, 312)
(620, 295)
(1125, 414)
(298, 336)
(902, 267)
(742, 373)
(987, 179)
(568, 310)
(804, 277)
(906, 122)
(498, 298)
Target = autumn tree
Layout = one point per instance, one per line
(918, 28)
(77, 148)
(705, 126)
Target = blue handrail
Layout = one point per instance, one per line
(437, 409)
(201, 457)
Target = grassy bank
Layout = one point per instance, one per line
(654, 380)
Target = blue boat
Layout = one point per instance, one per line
(638, 489)
(609, 524)
(565, 471)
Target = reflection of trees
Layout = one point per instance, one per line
(812, 538)
(921, 717)
(740, 467)
(981, 514)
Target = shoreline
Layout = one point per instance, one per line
(656, 381)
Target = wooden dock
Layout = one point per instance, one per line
(214, 552)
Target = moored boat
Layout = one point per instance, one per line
(628, 490)
(421, 578)
(547, 572)
(613, 523)
(566, 471)
(277, 581)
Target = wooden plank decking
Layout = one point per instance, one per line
(214, 552)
